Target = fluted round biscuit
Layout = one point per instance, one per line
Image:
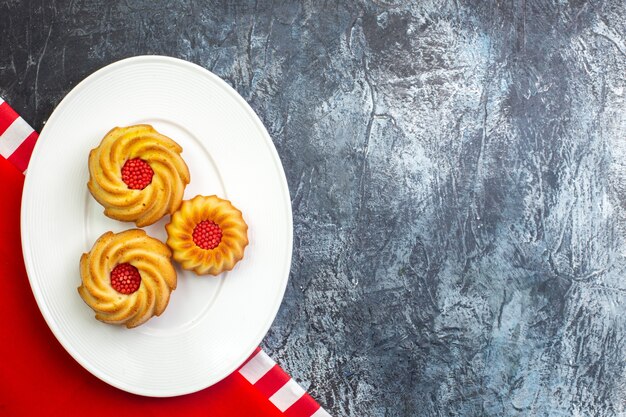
(162, 196)
(152, 259)
(207, 261)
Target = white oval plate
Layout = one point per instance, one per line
(211, 324)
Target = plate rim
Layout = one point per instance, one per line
(25, 239)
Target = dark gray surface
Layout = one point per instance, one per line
(457, 176)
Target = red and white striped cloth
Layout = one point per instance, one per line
(282, 391)
(17, 140)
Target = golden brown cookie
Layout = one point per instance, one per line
(127, 277)
(207, 235)
(137, 174)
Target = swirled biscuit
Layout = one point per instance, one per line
(127, 277)
(207, 235)
(137, 174)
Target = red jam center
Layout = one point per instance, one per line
(207, 234)
(137, 174)
(125, 279)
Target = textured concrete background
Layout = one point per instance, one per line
(458, 178)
